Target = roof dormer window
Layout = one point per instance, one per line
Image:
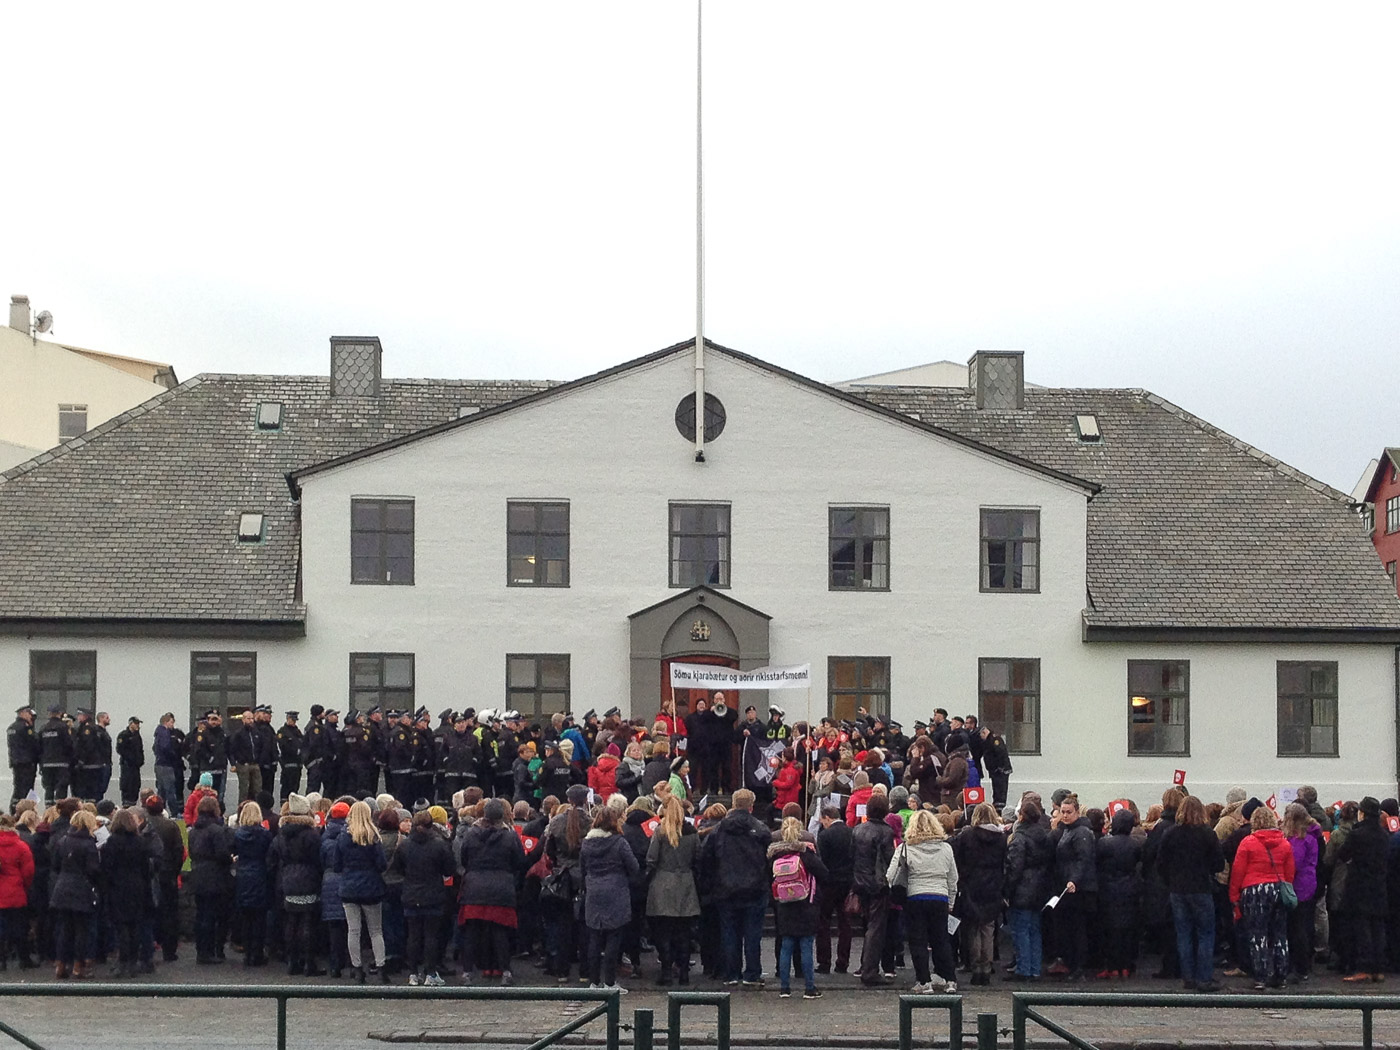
(250, 528)
(1086, 426)
(270, 415)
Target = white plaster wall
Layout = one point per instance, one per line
(37, 376)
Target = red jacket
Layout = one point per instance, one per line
(1252, 864)
(602, 776)
(192, 803)
(674, 726)
(787, 785)
(858, 798)
(16, 870)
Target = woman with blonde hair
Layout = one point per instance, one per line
(252, 895)
(360, 862)
(1263, 861)
(924, 863)
(673, 900)
(795, 868)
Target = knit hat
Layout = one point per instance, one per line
(298, 805)
(206, 780)
(1371, 807)
(385, 800)
(566, 747)
(438, 814)
(676, 764)
(404, 815)
(577, 795)
(340, 811)
(1235, 794)
(1247, 810)
(613, 750)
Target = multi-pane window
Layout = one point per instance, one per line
(853, 682)
(383, 679)
(1159, 698)
(1307, 707)
(699, 544)
(860, 548)
(1009, 694)
(62, 678)
(72, 421)
(381, 541)
(537, 544)
(537, 684)
(224, 682)
(1392, 514)
(1368, 518)
(1010, 550)
(269, 415)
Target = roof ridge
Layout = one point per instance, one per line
(122, 418)
(1320, 487)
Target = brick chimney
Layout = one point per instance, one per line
(19, 313)
(997, 378)
(356, 362)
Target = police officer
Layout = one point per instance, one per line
(289, 755)
(425, 760)
(55, 756)
(104, 748)
(210, 751)
(775, 729)
(131, 754)
(402, 744)
(378, 731)
(266, 748)
(333, 773)
(24, 753)
(459, 758)
(314, 748)
(87, 757)
(360, 772)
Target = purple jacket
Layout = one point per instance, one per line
(1305, 854)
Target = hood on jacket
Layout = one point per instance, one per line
(1123, 822)
(606, 762)
(598, 833)
(637, 817)
(777, 849)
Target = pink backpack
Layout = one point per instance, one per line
(791, 883)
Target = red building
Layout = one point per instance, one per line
(1383, 509)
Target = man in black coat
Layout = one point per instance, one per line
(104, 748)
(87, 757)
(1364, 899)
(25, 751)
(314, 749)
(289, 755)
(242, 752)
(131, 754)
(266, 745)
(997, 758)
(734, 860)
(837, 850)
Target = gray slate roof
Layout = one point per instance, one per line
(1192, 528)
(138, 518)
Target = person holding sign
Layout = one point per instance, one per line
(1077, 872)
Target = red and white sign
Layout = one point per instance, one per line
(1117, 806)
(649, 827)
(1272, 802)
(1393, 823)
(972, 796)
(1179, 778)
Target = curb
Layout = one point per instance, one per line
(705, 1037)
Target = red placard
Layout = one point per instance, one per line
(649, 827)
(1393, 823)
(972, 796)
(1272, 801)
(1179, 778)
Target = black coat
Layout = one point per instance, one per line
(798, 918)
(1030, 859)
(734, 858)
(838, 852)
(980, 853)
(657, 771)
(1119, 858)
(1074, 857)
(74, 875)
(1365, 849)
(251, 845)
(491, 856)
(609, 867)
(126, 875)
(211, 858)
(636, 836)
(295, 860)
(1188, 857)
(424, 858)
(1156, 905)
(873, 845)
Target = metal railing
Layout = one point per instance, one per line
(1025, 1007)
(909, 1003)
(674, 1002)
(608, 1002)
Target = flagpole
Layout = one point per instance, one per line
(699, 242)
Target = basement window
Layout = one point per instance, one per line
(1087, 427)
(270, 415)
(250, 528)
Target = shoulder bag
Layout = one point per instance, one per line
(1287, 895)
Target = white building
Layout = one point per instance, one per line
(50, 393)
(1121, 588)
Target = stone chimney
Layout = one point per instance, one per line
(19, 313)
(997, 378)
(356, 362)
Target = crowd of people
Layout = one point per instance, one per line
(599, 844)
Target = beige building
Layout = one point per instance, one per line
(51, 393)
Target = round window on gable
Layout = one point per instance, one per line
(714, 417)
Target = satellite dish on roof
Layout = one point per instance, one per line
(43, 322)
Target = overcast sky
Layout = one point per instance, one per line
(1200, 199)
